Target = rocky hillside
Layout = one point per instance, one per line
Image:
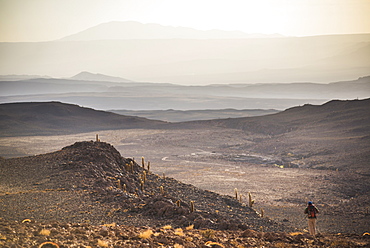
(88, 195)
(91, 182)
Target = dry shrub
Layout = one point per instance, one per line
(179, 232)
(45, 232)
(102, 243)
(212, 244)
(208, 233)
(191, 227)
(146, 234)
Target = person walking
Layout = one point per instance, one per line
(311, 212)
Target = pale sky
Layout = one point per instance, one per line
(45, 20)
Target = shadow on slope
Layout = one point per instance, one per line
(51, 118)
(351, 116)
(334, 135)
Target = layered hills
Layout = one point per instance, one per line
(106, 92)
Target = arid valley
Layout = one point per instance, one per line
(283, 159)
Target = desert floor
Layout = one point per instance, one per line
(217, 160)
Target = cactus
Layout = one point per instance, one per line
(124, 188)
(144, 176)
(192, 208)
(142, 185)
(236, 193)
(262, 212)
(132, 166)
(148, 166)
(119, 184)
(178, 203)
(97, 138)
(142, 162)
(240, 198)
(251, 202)
(162, 190)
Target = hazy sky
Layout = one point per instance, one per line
(44, 20)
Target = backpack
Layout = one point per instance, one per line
(311, 211)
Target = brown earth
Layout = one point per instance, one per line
(42, 196)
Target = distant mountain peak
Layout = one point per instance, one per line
(135, 30)
(88, 76)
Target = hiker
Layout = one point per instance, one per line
(311, 212)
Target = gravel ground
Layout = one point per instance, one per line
(87, 194)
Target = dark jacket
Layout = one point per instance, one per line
(311, 211)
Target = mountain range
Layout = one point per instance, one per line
(140, 52)
(136, 30)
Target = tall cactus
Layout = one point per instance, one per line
(144, 176)
(192, 207)
(142, 185)
(236, 193)
(251, 202)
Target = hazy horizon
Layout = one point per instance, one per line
(44, 20)
(188, 42)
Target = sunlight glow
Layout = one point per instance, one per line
(53, 19)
